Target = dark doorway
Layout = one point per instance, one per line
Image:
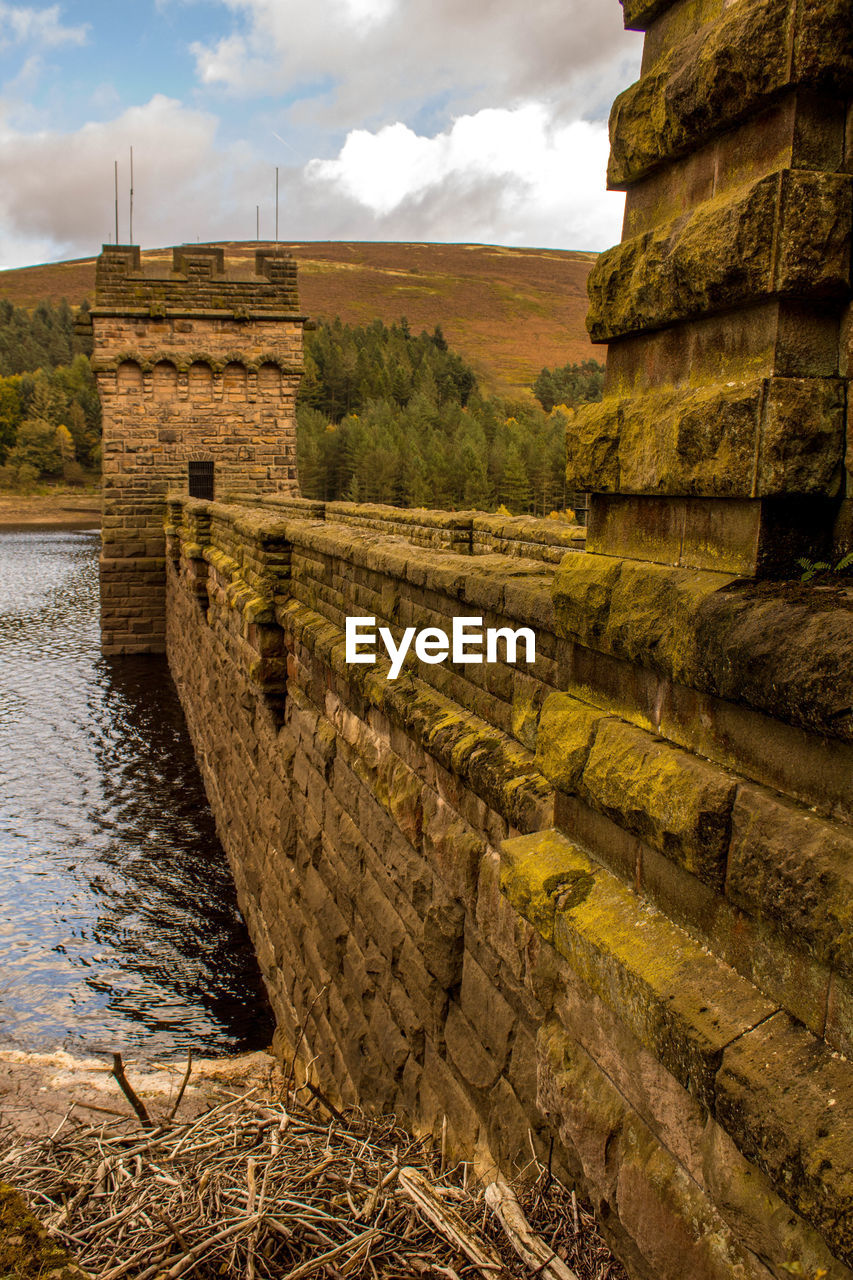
(201, 480)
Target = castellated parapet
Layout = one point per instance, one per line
(195, 362)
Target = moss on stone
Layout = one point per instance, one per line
(26, 1250)
(682, 1003)
(567, 728)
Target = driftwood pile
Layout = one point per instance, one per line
(264, 1186)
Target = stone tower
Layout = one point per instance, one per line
(197, 365)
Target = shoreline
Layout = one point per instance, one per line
(59, 509)
(38, 1088)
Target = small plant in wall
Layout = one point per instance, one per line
(818, 568)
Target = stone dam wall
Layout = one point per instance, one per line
(599, 905)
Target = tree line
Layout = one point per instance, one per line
(384, 415)
(50, 415)
(388, 416)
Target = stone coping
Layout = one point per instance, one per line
(783, 649)
(471, 531)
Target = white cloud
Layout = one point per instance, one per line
(20, 24)
(508, 176)
(504, 176)
(366, 58)
(462, 120)
(56, 189)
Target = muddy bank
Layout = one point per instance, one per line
(38, 1089)
(58, 509)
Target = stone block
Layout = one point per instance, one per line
(765, 437)
(676, 802)
(787, 1103)
(787, 653)
(670, 1219)
(720, 72)
(787, 236)
(747, 1201)
(467, 1053)
(486, 1009)
(451, 1100)
(535, 870)
(580, 1102)
(567, 730)
(453, 848)
(527, 698)
(507, 931)
(510, 1126)
(794, 870)
(444, 942)
(386, 1035)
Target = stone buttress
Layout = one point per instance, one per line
(197, 365)
(720, 441)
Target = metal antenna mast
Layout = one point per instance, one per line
(131, 195)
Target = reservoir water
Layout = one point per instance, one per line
(119, 926)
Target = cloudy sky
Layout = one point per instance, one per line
(452, 120)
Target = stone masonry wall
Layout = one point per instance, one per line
(603, 902)
(466, 532)
(196, 363)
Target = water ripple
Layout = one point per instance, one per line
(119, 926)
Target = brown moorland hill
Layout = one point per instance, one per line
(508, 311)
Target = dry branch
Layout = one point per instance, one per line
(532, 1250)
(451, 1225)
(262, 1186)
(129, 1092)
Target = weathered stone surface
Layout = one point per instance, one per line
(639, 13)
(787, 653)
(762, 438)
(802, 437)
(592, 445)
(674, 801)
(723, 71)
(535, 870)
(567, 728)
(796, 870)
(788, 1104)
(486, 1009)
(664, 1213)
(679, 1001)
(653, 1189)
(527, 698)
(758, 1217)
(786, 234)
(467, 1053)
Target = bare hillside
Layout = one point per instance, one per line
(508, 311)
